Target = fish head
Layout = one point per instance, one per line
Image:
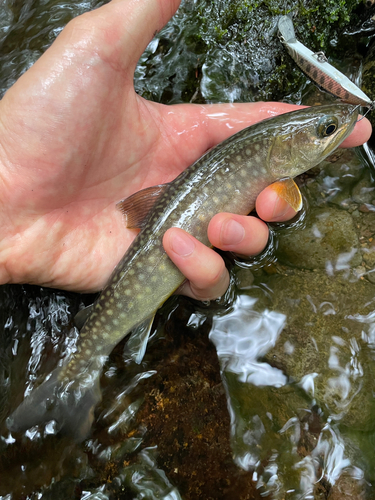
(306, 136)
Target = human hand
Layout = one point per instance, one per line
(75, 138)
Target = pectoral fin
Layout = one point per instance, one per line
(288, 190)
(137, 207)
(137, 343)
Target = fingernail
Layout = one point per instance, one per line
(280, 209)
(232, 232)
(182, 245)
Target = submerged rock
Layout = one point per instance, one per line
(328, 238)
(329, 342)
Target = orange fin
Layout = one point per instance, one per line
(288, 190)
(137, 207)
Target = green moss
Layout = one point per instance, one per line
(230, 50)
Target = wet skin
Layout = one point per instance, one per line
(75, 139)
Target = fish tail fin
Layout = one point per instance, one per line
(70, 406)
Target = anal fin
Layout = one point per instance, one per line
(137, 343)
(82, 315)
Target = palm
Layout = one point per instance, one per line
(78, 156)
(75, 139)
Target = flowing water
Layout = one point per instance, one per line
(266, 392)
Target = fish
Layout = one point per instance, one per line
(317, 67)
(227, 178)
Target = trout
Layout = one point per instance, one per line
(228, 178)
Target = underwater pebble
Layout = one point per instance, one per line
(244, 279)
(325, 329)
(328, 234)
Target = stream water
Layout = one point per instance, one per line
(266, 392)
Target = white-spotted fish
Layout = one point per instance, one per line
(316, 67)
(227, 178)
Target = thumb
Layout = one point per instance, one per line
(119, 31)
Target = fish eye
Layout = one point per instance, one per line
(327, 126)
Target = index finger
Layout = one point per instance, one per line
(361, 134)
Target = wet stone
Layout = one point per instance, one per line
(244, 278)
(350, 487)
(328, 236)
(333, 180)
(369, 258)
(327, 339)
(363, 192)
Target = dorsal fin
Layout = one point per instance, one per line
(136, 208)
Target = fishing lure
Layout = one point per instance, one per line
(317, 67)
